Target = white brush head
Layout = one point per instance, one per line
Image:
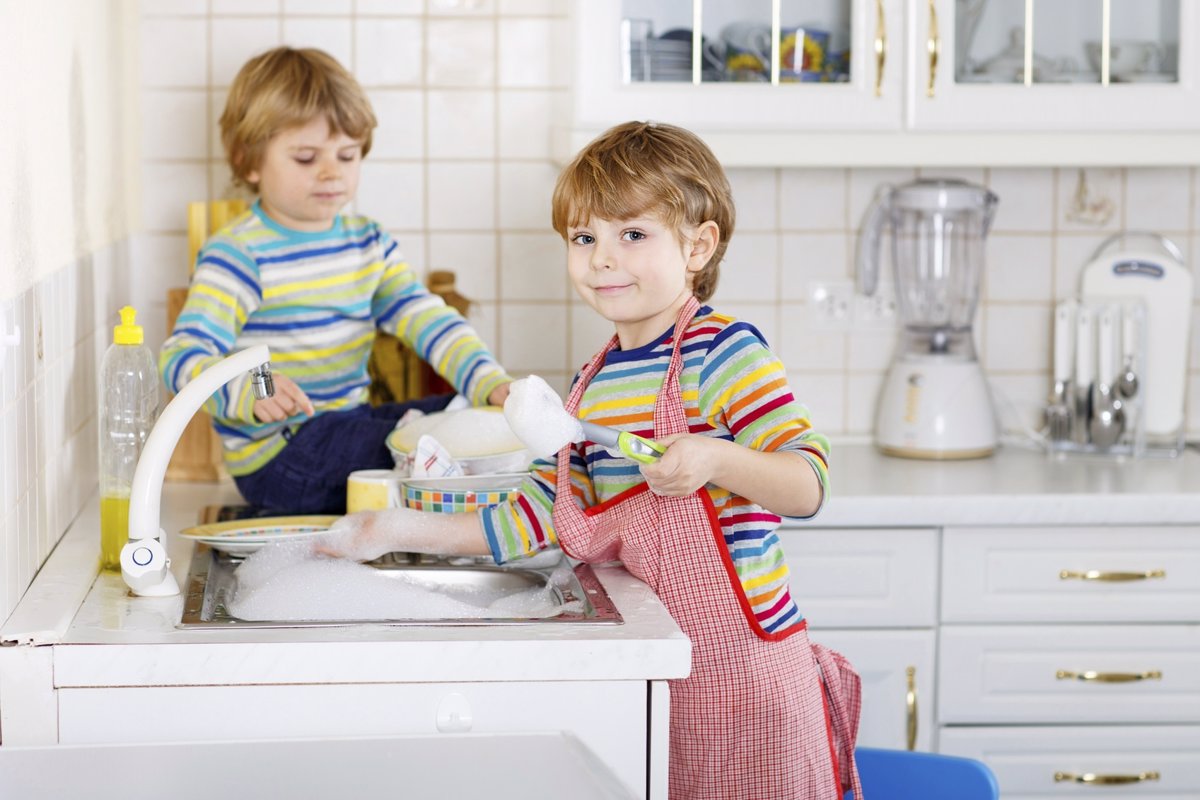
(536, 415)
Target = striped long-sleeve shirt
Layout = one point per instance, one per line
(733, 388)
(316, 300)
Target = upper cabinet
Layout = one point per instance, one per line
(882, 82)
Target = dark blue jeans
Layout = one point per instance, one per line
(309, 475)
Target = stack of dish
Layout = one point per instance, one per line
(669, 58)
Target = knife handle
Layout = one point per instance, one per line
(1064, 341)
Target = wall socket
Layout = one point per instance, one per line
(837, 306)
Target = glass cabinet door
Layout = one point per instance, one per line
(749, 65)
(741, 41)
(1107, 65)
(1066, 41)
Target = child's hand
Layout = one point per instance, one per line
(499, 395)
(364, 535)
(288, 399)
(689, 463)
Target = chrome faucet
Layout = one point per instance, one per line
(145, 566)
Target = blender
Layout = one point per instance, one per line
(935, 401)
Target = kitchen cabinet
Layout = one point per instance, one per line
(1151, 762)
(1048, 628)
(608, 717)
(894, 77)
(871, 595)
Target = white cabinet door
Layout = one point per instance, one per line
(857, 578)
(610, 717)
(1074, 574)
(1052, 674)
(1041, 763)
(726, 111)
(978, 83)
(896, 668)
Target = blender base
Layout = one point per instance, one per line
(936, 408)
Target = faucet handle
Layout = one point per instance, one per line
(146, 568)
(262, 382)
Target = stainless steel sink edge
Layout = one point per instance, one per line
(211, 583)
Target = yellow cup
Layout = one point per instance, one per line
(372, 490)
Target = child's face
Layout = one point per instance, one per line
(637, 273)
(307, 175)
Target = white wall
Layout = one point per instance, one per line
(68, 206)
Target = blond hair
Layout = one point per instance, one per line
(640, 168)
(284, 88)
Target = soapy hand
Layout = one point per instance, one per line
(288, 400)
(365, 535)
(689, 463)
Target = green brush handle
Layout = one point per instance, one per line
(632, 445)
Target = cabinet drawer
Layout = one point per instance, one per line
(1026, 760)
(1042, 674)
(1058, 575)
(863, 578)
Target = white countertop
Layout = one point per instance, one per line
(69, 605)
(1015, 486)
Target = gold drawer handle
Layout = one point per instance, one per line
(880, 47)
(1109, 677)
(910, 702)
(1111, 577)
(933, 46)
(1105, 780)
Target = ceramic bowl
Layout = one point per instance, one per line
(468, 493)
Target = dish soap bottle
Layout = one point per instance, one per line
(128, 408)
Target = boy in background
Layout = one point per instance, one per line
(296, 274)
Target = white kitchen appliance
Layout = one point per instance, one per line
(935, 402)
(1157, 277)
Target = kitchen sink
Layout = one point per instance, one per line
(212, 582)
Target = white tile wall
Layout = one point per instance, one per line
(48, 408)
(465, 92)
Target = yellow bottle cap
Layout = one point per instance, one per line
(127, 332)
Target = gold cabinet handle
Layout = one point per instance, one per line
(910, 701)
(1110, 577)
(1109, 677)
(1105, 780)
(880, 46)
(933, 44)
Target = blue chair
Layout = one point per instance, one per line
(909, 775)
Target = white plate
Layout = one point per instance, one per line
(242, 536)
(465, 433)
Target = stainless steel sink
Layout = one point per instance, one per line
(212, 582)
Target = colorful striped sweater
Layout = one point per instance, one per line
(316, 300)
(733, 388)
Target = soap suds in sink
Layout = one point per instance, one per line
(287, 582)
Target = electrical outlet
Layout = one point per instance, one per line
(831, 305)
(876, 311)
(836, 306)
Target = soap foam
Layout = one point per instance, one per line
(285, 581)
(536, 415)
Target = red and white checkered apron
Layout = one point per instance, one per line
(751, 721)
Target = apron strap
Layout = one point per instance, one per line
(669, 416)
